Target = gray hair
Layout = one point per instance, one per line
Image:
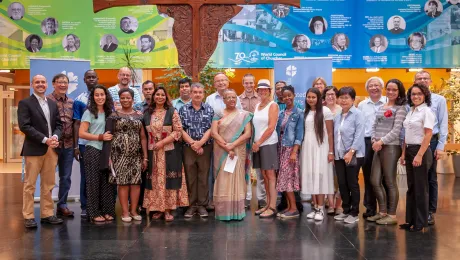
(421, 72)
(380, 80)
(197, 85)
(227, 91)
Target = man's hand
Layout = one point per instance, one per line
(76, 154)
(438, 154)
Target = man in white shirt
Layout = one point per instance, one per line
(124, 80)
(369, 107)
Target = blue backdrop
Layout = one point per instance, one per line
(300, 73)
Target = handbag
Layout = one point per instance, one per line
(353, 162)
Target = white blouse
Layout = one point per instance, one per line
(415, 123)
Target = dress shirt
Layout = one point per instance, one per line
(369, 109)
(46, 110)
(217, 103)
(249, 102)
(349, 133)
(114, 93)
(141, 106)
(439, 109)
(196, 122)
(178, 103)
(79, 107)
(65, 107)
(417, 120)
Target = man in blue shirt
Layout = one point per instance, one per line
(438, 140)
(184, 92)
(79, 106)
(196, 120)
(147, 90)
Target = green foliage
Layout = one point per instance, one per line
(450, 89)
(129, 60)
(173, 75)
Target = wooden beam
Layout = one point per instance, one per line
(99, 5)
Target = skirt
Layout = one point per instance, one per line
(266, 158)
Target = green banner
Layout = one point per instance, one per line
(69, 29)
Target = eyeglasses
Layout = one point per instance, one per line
(231, 98)
(304, 41)
(125, 75)
(62, 82)
(373, 85)
(219, 81)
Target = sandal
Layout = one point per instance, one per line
(136, 217)
(169, 217)
(157, 215)
(126, 219)
(269, 215)
(260, 211)
(108, 217)
(99, 219)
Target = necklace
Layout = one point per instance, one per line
(156, 117)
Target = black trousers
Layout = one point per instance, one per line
(141, 195)
(349, 186)
(370, 200)
(417, 187)
(433, 177)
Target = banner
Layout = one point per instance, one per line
(354, 33)
(300, 73)
(75, 70)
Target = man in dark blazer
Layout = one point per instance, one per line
(40, 122)
(110, 46)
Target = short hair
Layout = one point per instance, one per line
(148, 82)
(433, 2)
(125, 18)
(220, 73)
(249, 75)
(183, 81)
(145, 36)
(347, 91)
(320, 79)
(380, 80)
(226, 91)
(421, 72)
(123, 90)
(294, 41)
(58, 76)
(71, 34)
(50, 19)
(399, 17)
(281, 81)
(426, 92)
(34, 36)
(288, 88)
(418, 34)
(333, 88)
(401, 99)
(91, 70)
(197, 85)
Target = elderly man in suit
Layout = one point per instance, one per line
(40, 122)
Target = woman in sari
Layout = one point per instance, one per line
(231, 131)
(165, 188)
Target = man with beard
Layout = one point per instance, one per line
(79, 106)
(124, 80)
(184, 92)
(16, 11)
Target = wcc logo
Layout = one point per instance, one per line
(73, 81)
(291, 71)
(252, 57)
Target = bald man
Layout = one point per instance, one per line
(124, 81)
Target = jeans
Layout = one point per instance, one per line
(384, 168)
(65, 162)
(433, 178)
(349, 186)
(83, 197)
(370, 201)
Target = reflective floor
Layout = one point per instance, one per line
(251, 238)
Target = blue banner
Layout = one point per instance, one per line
(300, 73)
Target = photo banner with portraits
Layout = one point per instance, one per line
(353, 33)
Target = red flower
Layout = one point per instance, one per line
(164, 135)
(388, 113)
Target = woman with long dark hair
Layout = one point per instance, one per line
(417, 156)
(387, 147)
(166, 188)
(317, 152)
(100, 194)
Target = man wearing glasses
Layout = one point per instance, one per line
(124, 80)
(438, 140)
(66, 144)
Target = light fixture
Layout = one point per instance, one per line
(5, 71)
(333, 69)
(372, 70)
(415, 69)
(455, 70)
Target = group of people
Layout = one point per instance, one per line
(163, 154)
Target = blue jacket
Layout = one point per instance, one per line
(294, 128)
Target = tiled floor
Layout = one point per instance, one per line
(251, 238)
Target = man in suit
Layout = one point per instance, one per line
(379, 46)
(110, 46)
(40, 122)
(397, 25)
(50, 26)
(432, 10)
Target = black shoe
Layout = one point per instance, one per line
(431, 218)
(30, 223)
(416, 229)
(53, 220)
(368, 213)
(405, 226)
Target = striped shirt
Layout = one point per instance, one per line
(387, 125)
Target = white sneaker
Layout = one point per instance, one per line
(341, 217)
(312, 214)
(350, 219)
(319, 215)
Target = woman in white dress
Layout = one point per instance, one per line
(317, 152)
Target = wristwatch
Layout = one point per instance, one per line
(352, 151)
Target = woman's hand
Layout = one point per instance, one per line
(255, 147)
(417, 160)
(330, 158)
(231, 154)
(347, 157)
(377, 146)
(293, 157)
(107, 136)
(402, 160)
(144, 164)
(158, 146)
(229, 146)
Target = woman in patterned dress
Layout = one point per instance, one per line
(166, 188)
(290, 129)
(128, 154)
